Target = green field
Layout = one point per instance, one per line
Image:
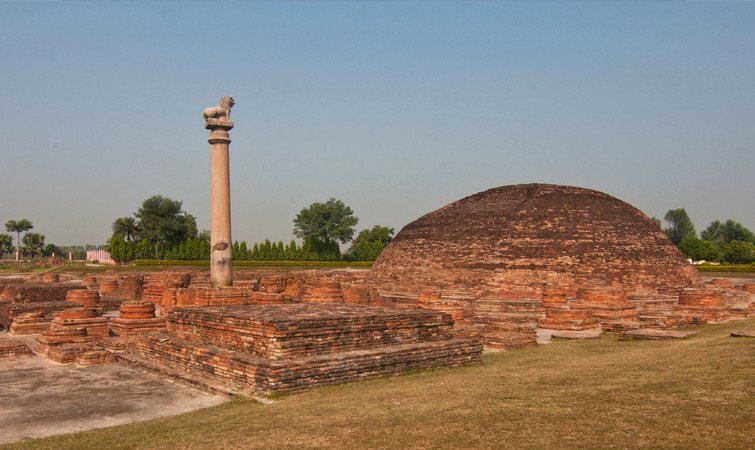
(741, 268)
(696, 393)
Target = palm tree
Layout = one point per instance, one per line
(34, 244)
(18, 227)
(125, 227)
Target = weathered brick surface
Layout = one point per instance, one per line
(277, 331)
(136, 318)
(84, 318)
(91, 282)
(156, 284)
(37, 292)
(295, 346)
(697, 306)
(108, 285)
(84, 297)
(542, 243)
(33, 297)
(655, 310)
(30, 323)
(12, 348)
(246, 372)
(66, 344)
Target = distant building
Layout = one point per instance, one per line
(102, 256)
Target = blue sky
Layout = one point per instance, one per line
(394, 108)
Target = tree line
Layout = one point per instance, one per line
(722, 242)
(160, 229)
(32, 245)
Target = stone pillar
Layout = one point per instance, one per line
(219, 123)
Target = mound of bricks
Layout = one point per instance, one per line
(30, 323)
(524, 237)
(136, 318)
(85, 318)
(66, 344)
(13, 348)
(155, 284)
(130, 288)
(299, 346)
(18, 299)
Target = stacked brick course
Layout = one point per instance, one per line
(698, 306)
(34, 302)
(66, 344)
(108, 285)
(136, 318)
(12, 348)
(85, 318)
(298, 346)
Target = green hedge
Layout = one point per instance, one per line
(741, 268)
(161, 262)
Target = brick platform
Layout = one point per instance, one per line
(66, 345)
(299, 346)
(12, 348)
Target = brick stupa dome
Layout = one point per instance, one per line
(516, 240)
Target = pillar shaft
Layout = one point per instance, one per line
(221, 248)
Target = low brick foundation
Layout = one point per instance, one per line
(243, 372)
(289, 347)
(12, 348)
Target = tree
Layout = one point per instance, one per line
(699, 249)
(6, 244)
(324, 225)
(722, 233)
(125, 228)
(50, 250)
(34, 244)
(369, 243)
(680, 225)
(739, 252)
(18, 227)
(163, 224)
(243, 251)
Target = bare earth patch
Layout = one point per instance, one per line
(42, 398)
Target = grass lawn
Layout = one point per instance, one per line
(696, 393)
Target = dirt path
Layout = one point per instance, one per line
(42, 398)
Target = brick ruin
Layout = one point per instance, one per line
(504, 268)
(292, 347)
(513, 260)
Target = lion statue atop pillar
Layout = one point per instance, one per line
(222, 111)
